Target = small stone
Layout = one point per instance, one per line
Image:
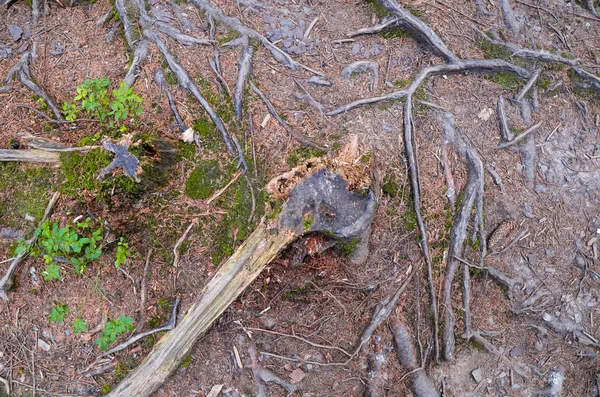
(5, 51)
(297, 375)
(56, 48)
(477, 375)
(268, 323)
(15, 32)
(41, 344)
(355, 48)
(29, 218)
(517, 351)
(528, 211)
(550, 270)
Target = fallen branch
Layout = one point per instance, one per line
(244, 70)
(354, 212)
(285, 125)
(7, 281)
(180, 241)
(375, 376)
(29, 156)
(505, 131)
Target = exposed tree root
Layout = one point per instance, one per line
(420, 384)
(521, 136)
(375, 376)
(285, 125)
(510, 20)
(263, 377)
(374, 29)
(483, 10)
(21, 69)
(473, 192)
(159, 79)
(244, 70)
(505, 131)
(235, 24)
(7, 281)
(460, 66)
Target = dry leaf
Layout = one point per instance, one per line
(297, 375)
(188, 136)
(216, 389)
(485, 114)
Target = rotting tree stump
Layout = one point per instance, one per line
(330, 197)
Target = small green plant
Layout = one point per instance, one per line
(113, 329)
(58, 312)
(55, 242)
(122, 253)
(79, 326)
(94, 100)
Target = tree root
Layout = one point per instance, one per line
(159, 79)
(460, 66)
(505, 131)
(380, 27)
(482, 10)
(285, 125)
(244, 70)
(235, 24)
(473, 192)
(521, 136)
(22, 70)
(510, 20)
(418, 29)
(420, 384)
(7, 281)
(263, 377)
(375, 378)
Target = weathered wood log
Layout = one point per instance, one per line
(29, 156)
(319, 196)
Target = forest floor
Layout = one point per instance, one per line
(547, 326)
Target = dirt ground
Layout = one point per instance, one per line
(545, 327)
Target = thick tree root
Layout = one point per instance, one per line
(510, 20)
(244, 70)
(420, 384)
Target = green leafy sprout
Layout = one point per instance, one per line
(122, 253)
(58, 312)
(112, 329)
(95, 101)
(79, 326)
(66, 245)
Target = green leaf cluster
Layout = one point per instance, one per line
(95, 101)
(112, 329)
(122, 253)
(55, 242)
(58, 312)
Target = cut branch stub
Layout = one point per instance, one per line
(318, 197)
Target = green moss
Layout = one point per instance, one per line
(348, 247)
(390, 187)
(254, 43)
(124, 367)
(543, 81)
(493, 51)
(209, 136)
(297, 156)
(186, 151)
(276, 206)
(231, 35)
(187, 360)
(24, 190)
(505, 79)
(308, 221)
(235, 225)
(203, 180)
(409, 217)
(105, 389)
(297, 292)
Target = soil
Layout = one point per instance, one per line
(547, 325)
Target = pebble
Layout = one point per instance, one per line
(528, 211)
(517, 351)
(268, 322)
(5, 51)
(550, 270)
(56, 48)
(477, 375)
(43, 345)
(15, 32)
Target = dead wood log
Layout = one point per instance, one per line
(317, 199)
(29, 156)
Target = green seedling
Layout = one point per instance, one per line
(113, 329)
(122, 253)
(58, 313)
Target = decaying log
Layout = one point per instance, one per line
(29, 156)
(317, 198)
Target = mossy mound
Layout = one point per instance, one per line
(24, 190)
(204, 180)
(80, 170)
